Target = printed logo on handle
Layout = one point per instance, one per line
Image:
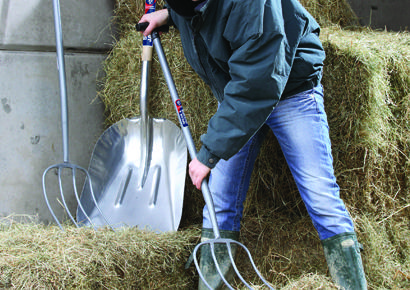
(181, 114)
(149, 8)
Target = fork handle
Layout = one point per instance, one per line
(61, 78)
(185, 128)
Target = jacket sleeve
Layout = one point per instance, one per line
(259, 68)
(170, 21)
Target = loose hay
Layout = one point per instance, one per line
(367, 95)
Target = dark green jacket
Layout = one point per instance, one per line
(251, 53)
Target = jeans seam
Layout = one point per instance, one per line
(241, 186)
(323, 120)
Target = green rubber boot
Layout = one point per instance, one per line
(206, 262)
(342, 254)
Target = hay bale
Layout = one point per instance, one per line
(367, 86)
(330, 12)
(387, 251)
(33, 256)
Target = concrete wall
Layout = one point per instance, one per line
(30, 126)
(389, 14)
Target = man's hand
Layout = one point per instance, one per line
(155, 19)
(197, 172)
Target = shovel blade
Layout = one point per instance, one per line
(115, 171)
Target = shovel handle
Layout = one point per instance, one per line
(146, 125)
(185, 128)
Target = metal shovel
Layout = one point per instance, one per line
(138, 170)
(204, 187)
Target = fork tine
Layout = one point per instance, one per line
(198, 268)
(256, 269)
(95, 200)
(235, 268)
(77, 198)
(46, 197)
(218, 268)
(60, 183)
(88, 180)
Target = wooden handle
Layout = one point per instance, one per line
(147, 53)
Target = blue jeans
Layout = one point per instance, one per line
(300, 126)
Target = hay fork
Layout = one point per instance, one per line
(65, 165)
(227, 242)
(204, 187)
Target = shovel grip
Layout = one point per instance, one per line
(143, 25)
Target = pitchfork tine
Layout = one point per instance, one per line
(63, 198)
(194, 253)
(236, 269)
(88, 178)
(255, 268)
(218, 268)
(80, 205)
(46, 198)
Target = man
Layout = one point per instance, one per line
(263, 61)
